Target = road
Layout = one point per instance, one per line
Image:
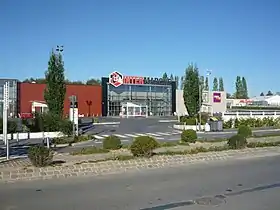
(251, 184)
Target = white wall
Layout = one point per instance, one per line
(180, 104)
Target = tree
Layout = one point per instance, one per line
(191, 90)
(269, 93)
(244, 88)
(206, 86)
(262, 94)
(182, 82)
(93, 82)
(215, 84)
(164, 76)
(177, 82)
(202, 82)
(171, 77)
(221, 84)
(54, 93)
(229, 95)
(238, 88)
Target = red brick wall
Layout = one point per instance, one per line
(35, 92)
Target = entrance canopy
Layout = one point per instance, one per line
(39, 106)
(129, 109)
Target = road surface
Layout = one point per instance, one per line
(251, 184)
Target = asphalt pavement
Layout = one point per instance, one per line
(251, 184)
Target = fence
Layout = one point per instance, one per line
(37, 135)
(250, 114)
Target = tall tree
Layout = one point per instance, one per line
(244, 88)
(262, 94)
(238, 88)
(206, 85)
(221, 84)
(202, 82)
(55, 85)
(164, 76)
(191, 90)
(215, 84)
(171, 77)
(269, 93)
(177, 82)
(182, 82)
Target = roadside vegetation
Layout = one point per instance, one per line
(147, 147)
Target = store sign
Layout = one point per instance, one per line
(117, 79)
(217, 97)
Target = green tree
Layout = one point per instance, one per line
(177, 82)
(164, 76)
(93, 82)
(171, 77)
(55, 85)
(182, 82)
(221, 84)
(215, 84)
(244, 88)
(206, 85)
(202, 82)
(191, 90)
(269, 93)
(262, 94)
(238, 88)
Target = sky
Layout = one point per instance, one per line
(144, 38)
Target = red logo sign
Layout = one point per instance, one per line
(116, 79)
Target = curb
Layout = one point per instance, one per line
(118, 167)
(106, 123)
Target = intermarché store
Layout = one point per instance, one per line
(136, 96)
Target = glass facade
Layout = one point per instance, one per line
(13, 99)
(155, 100)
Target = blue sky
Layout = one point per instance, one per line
(145, 38)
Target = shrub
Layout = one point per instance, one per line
(188, 120)
(237, 142)
(244, 131)
(189, 136)
(40, 156)
(143, 146)
(112, 142)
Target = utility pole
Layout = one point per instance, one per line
(73, 101)
(200, 103)
(5, 117)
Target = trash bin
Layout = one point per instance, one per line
(215, 124)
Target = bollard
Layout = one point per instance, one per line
(48, 142)
(17, 137)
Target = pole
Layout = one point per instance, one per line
(73, 117)
(200, 105)
(5, 117)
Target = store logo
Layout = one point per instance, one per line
(217, 97)
(116, 79)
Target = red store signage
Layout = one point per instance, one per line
(117, 79)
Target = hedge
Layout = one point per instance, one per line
(252, 122)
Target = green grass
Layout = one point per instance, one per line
(90, 150)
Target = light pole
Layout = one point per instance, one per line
(208, 73)
(5, 117)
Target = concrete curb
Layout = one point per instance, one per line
(117, 167)
(106, 123)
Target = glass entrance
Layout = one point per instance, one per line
(133, 110)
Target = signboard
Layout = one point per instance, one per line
(217, 97)
(74, 115)
(117, 79)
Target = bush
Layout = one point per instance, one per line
(189, 136)
(143, 146)
(188, 120)
(112, 142)
(40, 156)
(237, 142)
(244, 131)
(252, 122)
